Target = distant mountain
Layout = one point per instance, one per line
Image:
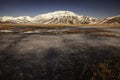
(111, 20)
(20, 19)
(60, 17)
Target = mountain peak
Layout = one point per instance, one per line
(57, 14)
(61, 17)
(63, 12)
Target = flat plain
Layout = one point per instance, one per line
(59, 52)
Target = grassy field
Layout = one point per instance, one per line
(57, 53)
(46, 27)
(9, 26)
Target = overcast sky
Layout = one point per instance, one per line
(94, 8)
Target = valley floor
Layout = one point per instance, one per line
(67, 53)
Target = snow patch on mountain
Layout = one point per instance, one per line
(20, 19)
(110, 20)
(62, 17)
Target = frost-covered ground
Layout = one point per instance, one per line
(88, 54)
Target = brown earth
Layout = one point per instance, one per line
(74, 54)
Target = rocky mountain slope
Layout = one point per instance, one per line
(20, 19)
(60, 17)
(111, 20)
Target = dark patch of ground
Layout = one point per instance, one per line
(79, 56)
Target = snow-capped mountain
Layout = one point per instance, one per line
(6, 19)
(62, 17)
(110, 20)
(20, 19)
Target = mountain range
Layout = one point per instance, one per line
(59, 17)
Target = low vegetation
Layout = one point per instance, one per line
(78, 54)
(9, 26)
(107, 34)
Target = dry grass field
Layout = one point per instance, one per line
(9, 26)
(59, 52)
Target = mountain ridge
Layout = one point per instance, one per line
(60, 17)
